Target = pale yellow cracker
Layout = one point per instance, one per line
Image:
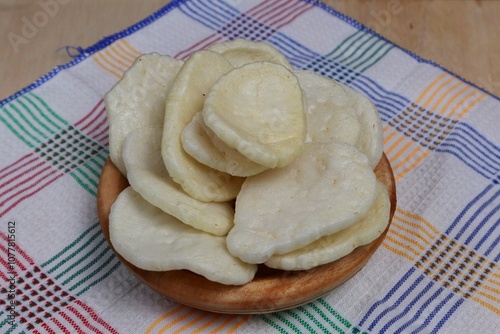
(336, 112)
(185, 99)
(334, 246)
(258, 109)
(138, 99)
(153, 240)
(148, 176)
(328, 188)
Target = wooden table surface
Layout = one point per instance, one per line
(461, 35)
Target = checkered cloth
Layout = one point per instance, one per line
(436, 271)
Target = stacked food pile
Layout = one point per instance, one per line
(236, 159)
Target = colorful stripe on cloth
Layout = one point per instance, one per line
(58, 148)
(182, 319)
(43, 305)
(116, 58)
(436, 271)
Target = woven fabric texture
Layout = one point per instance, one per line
(436, 272)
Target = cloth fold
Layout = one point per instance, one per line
(437, 270)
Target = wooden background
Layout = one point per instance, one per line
(461, 35)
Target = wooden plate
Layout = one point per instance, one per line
(271, 290)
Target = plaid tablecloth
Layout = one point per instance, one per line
(437, 270)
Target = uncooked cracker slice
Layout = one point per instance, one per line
(151, 239)
(330, 115)
(200, 143)
(334, 246)
(185, 99)
(138, 99)
(336, 112)
(326, 189)
(148, 176)
(258, 109)
(241, 51)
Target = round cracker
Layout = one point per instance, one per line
(148, 176)
(185, 99)
(334, 246)
(151, 239)
(138, 99)
(328, 188)
(258, 109)
(336, 112)
(329, 110)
